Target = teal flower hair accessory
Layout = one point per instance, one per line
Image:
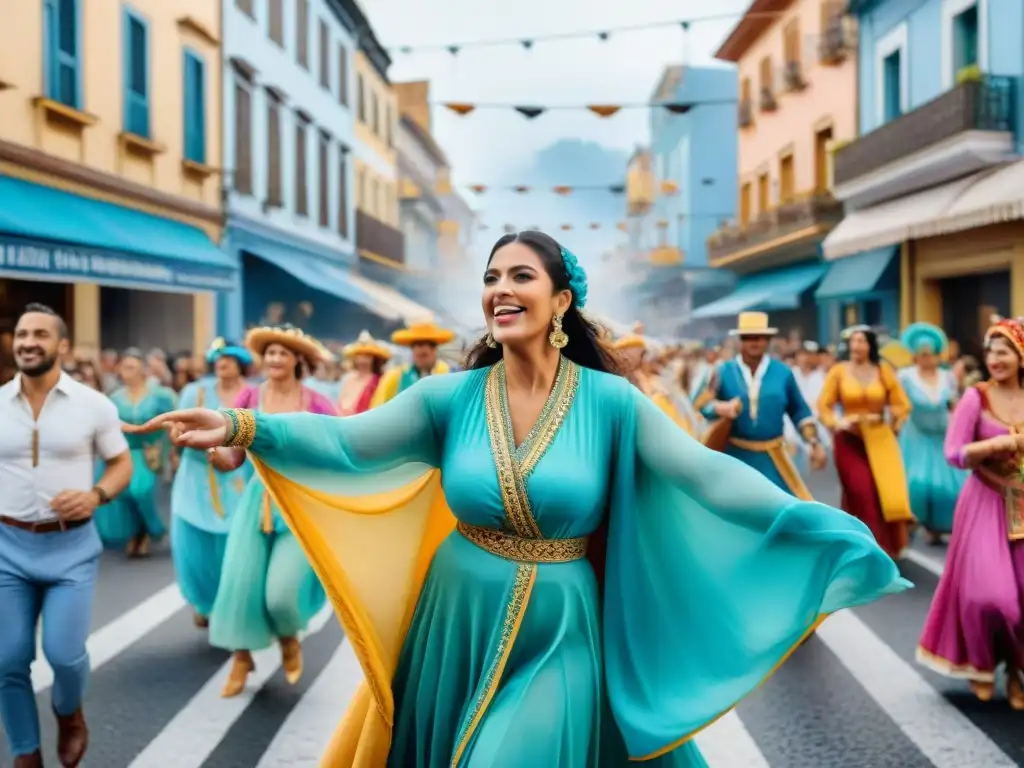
(577, 278)
(924, 337)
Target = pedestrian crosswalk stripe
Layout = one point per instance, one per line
(110, 640)
(306, 732)
(729, 744)
(192, 736)
(930, 564)
(937, 728)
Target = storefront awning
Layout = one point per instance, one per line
(996, 197)
(390, 304)
(49, 234)
(894, 222)
(316, 273)
(854, 275)
(767, 291)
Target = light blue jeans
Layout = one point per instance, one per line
(52, 577)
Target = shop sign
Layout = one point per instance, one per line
(62, 263)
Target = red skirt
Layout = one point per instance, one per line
(860, 495)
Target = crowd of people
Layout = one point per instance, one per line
(500, 542)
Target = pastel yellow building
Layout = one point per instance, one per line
(110, 155)
(378, 237)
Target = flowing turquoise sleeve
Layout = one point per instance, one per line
(406, 431)
(713, 576)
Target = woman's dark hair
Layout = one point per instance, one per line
(986, 376)
(585, 346)
(869, 335)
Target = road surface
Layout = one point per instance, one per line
(851, 697)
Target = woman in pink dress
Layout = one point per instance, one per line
(975, 623)
(358, 385)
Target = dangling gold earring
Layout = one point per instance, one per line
(489, 339)
(557, 338)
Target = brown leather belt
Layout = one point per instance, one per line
(44, 526)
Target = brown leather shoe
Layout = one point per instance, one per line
(291, 659)
(242, 665)
(72, 738)
(35, 760)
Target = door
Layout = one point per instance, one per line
(968, 305)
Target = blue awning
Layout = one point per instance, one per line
(51, 234)
(857, 274)
(314, 273)
(767, 291)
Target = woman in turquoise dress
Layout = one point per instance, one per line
(534, 565)
(202, 497)
(132, 521)
(934, 484)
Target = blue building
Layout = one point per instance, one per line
(693, 168)
(289, 128)
(935, 178)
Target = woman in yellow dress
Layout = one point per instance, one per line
(867, 453)
(632, 351)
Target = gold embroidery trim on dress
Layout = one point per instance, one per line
(515, 609)
(522, 550)
(504, 463)
(211, 473)
(245, 419)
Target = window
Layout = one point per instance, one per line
(61, 46)
(791, 41)
(245, 6)
(136, 75)
(965, 39)
(822, 159)
(746, 92)
(325, 183)
(275, 17)
(194, 107)
(243, 140)
(892, 106)
(274, 194)
(325, 55)
(787, 180)
(361, 99)
(767, 81)
(374, 112)
(386, 126)
(745, 204)
(361, 188)
(301, 163)
(763, 193)
(342, 75)
(302, 33)
(343, 191)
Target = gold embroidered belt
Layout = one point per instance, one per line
(522, 550)
(758, 446)
(1012, 491)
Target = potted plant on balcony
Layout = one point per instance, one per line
(768, 101)
(970, 74)
(793, 75)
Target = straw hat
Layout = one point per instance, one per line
(422, 333)
(289, 337)
(753, 324)
(632, 341)
(365, 344)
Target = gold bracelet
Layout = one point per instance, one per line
(246, 432)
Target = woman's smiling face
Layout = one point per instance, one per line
(518, 300)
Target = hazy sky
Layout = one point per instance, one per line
(498, 146)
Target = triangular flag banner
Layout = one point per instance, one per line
(453, 49)
(566, 227)
(604, 110)
(603, 36)
(460, 108)
(622, 226)
(530, 112)
(510, 229)
(478, 188)
(678, 109)
(662, 223)
(595, 225)
(522, 190)
(617, 189)
(562, 190)
(527, 44)
(669, 187)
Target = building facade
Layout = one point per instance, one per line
(109, 184)
(291, 97)
(935, 174)
(797, 77)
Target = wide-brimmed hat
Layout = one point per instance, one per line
(753, 324)
(289, 337)
(221, 347)
(365, 344)
(630, 341)
(1011, 330)
(422, 333)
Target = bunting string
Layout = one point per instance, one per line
(623, 225)
(531, 111)
(602, 35)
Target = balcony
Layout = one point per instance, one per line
(793, 76)
(745, 113)
(838, 40)
(778, 237)
(967, 129)
(375, 238)
(768, 102)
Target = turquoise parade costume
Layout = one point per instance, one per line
(135, 512)
(933, 483)
(202, 501)
(507, 637)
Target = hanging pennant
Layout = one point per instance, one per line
(603, 36)
(567, 227)
(454, 49)
(595, 225)
(527, 44)
(662, 223)
(459, 107)
(617, 189)
(522, 190)
(530, 112)
(510, 229)
(669, 187)
(678, 109)
(478, 188)
(604, 110)
(564, 191)
(622, 226)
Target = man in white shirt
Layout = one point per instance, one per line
(52, 431)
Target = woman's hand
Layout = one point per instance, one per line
(1002, 444)
(199, 428)
(221, 459)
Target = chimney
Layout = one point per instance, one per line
(414, 102)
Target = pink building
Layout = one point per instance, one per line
(797, 73)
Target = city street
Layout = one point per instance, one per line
(851, 697)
